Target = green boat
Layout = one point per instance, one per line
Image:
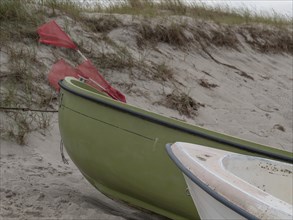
(120, 149)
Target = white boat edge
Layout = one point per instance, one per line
(265, 205)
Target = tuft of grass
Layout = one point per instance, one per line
(69, 7)
(23, 88)
(162, 72)
(268, 40)
(183, 103)
(13, 10)
(172, 34)
(176, 7)
(20, 60)
(220, 37)
(204, 83)
(103, 24)
(132, 7)
(117, 58)
(224, 38)
(17, 21)
(120, 58)
(19, 124)
(113, 61)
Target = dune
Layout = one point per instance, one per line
(234, 79)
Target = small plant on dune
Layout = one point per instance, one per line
(105, 23)
(118, 58)
(13, 10)
(268, 40)
(20, 66)
(70, 7)
(183, 103)
(162, 72)
(21, 90)
(206, 84)
(19, 124)
(133, 7)
(172, 34)
(224, 38)
(17, 21)
(21, 121)
(176, 7)
(113, 61)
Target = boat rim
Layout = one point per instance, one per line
(150, 118)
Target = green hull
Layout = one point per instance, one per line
(120, 149)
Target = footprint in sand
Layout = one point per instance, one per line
(267, 108)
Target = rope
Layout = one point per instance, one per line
(25, 109)
(65, 161)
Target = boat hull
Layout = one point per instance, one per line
(120, 149)
(207, 206)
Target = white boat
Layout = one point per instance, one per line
(226, 185)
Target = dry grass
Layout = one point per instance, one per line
(172, 34)
(222, 36)
(162, 72)
(103, 24)
(268, 40)
(113, 61)
(22, 87)
(184, 36)
(197, 10)
(264, 39)
(112, 57)
(206, 84)
(133, 7)
(17, 22)
(13, 10)
(71, 8)
(19, 124)
(183, 103)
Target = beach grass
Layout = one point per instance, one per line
(198, 10)
(16, 10)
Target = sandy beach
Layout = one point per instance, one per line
(242, 92)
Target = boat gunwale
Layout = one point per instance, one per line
(206, 188)
(170, 125)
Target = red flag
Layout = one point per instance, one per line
(59, 71)
(51, 33)
(88, 70)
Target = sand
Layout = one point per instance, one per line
(36, 184)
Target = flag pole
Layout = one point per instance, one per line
(83, 56)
